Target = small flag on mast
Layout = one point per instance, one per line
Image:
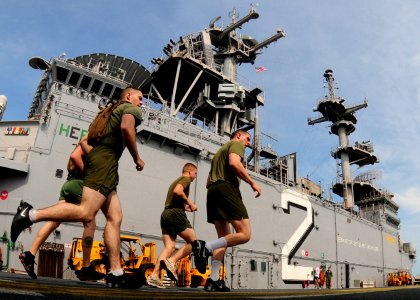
(260, 69)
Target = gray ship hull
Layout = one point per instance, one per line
(194, 103)
(291, 232)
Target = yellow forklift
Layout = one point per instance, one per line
(137, 259)
(188, 276)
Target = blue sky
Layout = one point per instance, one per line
(372, 46)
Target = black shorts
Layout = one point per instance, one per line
(224, 202)
(174, 221)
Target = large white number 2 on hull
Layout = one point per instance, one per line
(290, 271)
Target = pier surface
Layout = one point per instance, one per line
(19, 286)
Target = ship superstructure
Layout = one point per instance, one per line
(373, 203)
(197, 78)
(194, 101)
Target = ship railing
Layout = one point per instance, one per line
(340, 180)
(391, 208)
(74, 111)
(274, 169)
(198, 57)
(382, 194)
(95, 65)
(173, 126)
(196, 52)
(247, 83)
(366, 146)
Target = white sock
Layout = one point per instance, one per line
(215, 270)
(216, 244)
(32, 215)
(118, 272)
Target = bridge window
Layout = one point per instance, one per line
(107, 90)
(62, 74)
(96, 86)
(74, 78)
(85, 82)
(117, 93)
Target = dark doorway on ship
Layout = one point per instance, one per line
(347, 276)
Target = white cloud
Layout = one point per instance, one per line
(410, 199)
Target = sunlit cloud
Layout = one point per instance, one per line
(410, 199)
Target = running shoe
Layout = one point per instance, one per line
(170, 269)
(114, 281)
(89, 274)
(155, 282)
(216, 286)
(201, 255)
(28, 261)
(21, 220)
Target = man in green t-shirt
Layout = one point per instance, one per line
(225, 206)
(99, 188)
(71, 191)
(173, 222)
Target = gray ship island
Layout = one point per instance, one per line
(194, 100)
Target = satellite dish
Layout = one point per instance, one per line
(211, 24)
(39, 63)
(3, 102)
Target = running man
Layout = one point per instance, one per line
(225, 206)
(100, 183)
(173, 222)
(71, 192)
